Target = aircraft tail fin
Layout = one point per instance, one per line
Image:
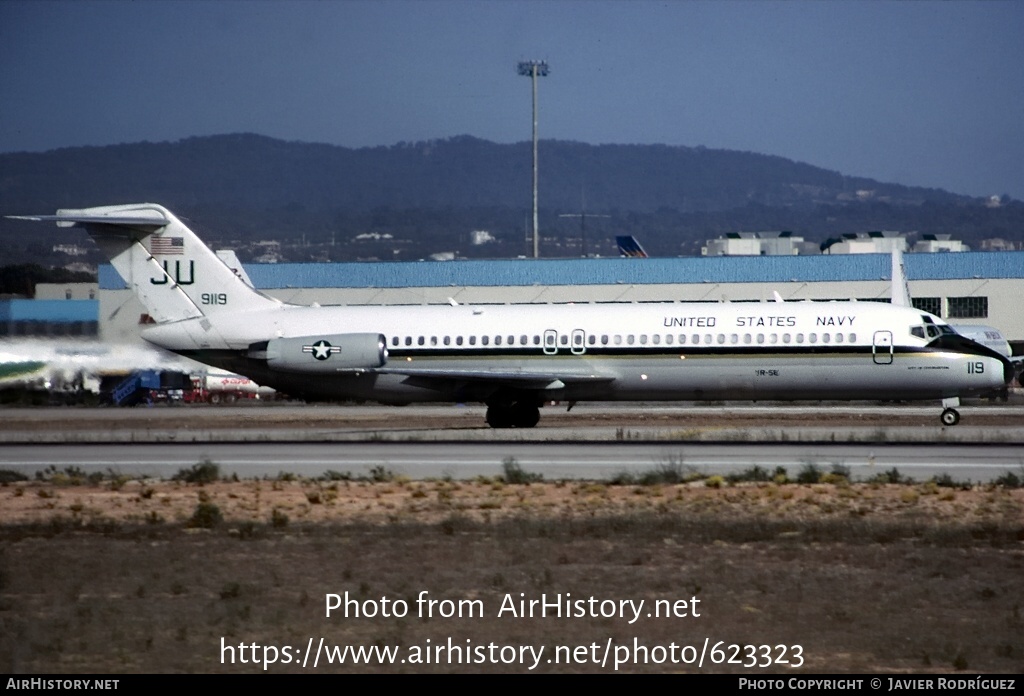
(629, 246)
(900, 285)
(172, 272)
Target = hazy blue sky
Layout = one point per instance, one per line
(920, 93)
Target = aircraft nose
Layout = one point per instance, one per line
(1008, 372)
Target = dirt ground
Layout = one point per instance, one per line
(129, 576)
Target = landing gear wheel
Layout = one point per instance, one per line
(499, 416)
(516, 415)
(525, 415)
(950, 416)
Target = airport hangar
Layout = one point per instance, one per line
(964, 288)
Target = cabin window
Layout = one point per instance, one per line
(656, 339)
(773, 338)
(707, 339)
(748, 339)
(536, 340)
(563, 339)
(813, 338)
(734, 339)
(786, 338)
(472, 340)
(484, 340)
(394, 340)
(839, 338)
(643, 339)
(447, 340)
(682, 339)
(721, 339)
(433, 340)
(458, 340)
(497, 340)
(760, 338)
(668, 339)
(591, 340)
(421, 341)
(604, 340)
(512, 340)
(799, 338)
(825, 338)
(408, 340)
(524, 339)
(630, 339)
(618, 340)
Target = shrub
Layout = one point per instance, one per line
(514, 473)
(11, 476)
(278, 519)
(202, 472)
(206, 516)
(381, 474)
(893, 475)
(809, 473)
(754, 473)
(1009, 480)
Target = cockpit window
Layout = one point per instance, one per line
(917, 331)
(933, 331)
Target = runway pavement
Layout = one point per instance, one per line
(593, 441)
(555, 461)
(591, 422)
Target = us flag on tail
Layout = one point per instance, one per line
(167, 246)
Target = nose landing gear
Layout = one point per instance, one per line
(950, 416)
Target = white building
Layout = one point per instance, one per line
(754, 244)
(933, 243)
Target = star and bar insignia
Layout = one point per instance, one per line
(321, 350)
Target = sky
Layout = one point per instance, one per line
(918, 93)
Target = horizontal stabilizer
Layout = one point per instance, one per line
(148, 219)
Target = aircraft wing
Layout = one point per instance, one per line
(522, 379)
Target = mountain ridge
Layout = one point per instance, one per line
(433, 194)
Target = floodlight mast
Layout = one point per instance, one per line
(535, 69)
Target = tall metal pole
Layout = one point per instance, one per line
(534, 69)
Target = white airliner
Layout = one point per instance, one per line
(514, 358)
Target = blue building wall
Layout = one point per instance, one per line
(49, 310)
(49, 317)
(719, 269)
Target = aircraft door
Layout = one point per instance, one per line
(550, 342)
(577, 343)
(881, 348)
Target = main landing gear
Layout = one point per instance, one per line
(518, 414)
(950, 416)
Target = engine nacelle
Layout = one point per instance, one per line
(322, 354)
